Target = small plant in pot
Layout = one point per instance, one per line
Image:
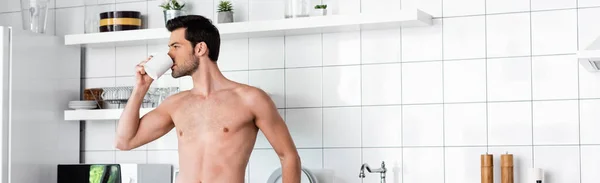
(172, 9)
(321, 9)
(225, 12)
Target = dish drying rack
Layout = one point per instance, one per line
(117, 97)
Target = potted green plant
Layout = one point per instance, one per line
(225, 12)
(172, 9)
(321, 9)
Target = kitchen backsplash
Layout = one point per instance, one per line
(490, 76)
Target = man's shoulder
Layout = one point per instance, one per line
(175, 97)
(251, 95)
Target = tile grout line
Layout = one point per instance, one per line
(402, 118)
(443, 100)
(531, 78)
(388, 63)
(578, 94)
(248, 19)
(384, 147)
(516, 12)
(362, 122)
(361, 61)
(115, 122)
(512, 12)
(405, 62)
(487, 143)
(380, 147)
(322, 109)
(401, 110)
(55, 18)
(590, 7)
(425, 104)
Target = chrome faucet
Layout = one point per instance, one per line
(381, 171)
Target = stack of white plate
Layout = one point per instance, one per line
(77, 105)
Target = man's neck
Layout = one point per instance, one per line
(208, 79)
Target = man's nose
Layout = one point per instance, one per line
(170, 54)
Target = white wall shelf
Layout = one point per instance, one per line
(297, 26)
(590, 57)
(98, 114)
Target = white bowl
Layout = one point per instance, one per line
(79, 108)
(84, 102)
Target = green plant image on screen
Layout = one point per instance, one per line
(99, 174)
(96, 172)
(113, 175)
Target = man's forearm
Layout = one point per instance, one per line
(130, 118)
(291, 168)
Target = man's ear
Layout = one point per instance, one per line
(200, 49)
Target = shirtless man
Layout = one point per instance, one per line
(216, 122)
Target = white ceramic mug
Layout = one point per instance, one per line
(158, 65)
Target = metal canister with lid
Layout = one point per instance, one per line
(120, 21)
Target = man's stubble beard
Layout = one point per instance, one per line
(187, 69)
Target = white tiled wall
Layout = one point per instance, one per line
(490, 76)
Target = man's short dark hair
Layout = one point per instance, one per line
(198, 29)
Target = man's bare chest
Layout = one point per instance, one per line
(211, 116)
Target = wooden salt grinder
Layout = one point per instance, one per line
(487, 168)
(507, 171)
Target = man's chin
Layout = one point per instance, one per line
(176, 75)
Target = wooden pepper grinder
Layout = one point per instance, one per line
(507, 171)
(487, 168)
